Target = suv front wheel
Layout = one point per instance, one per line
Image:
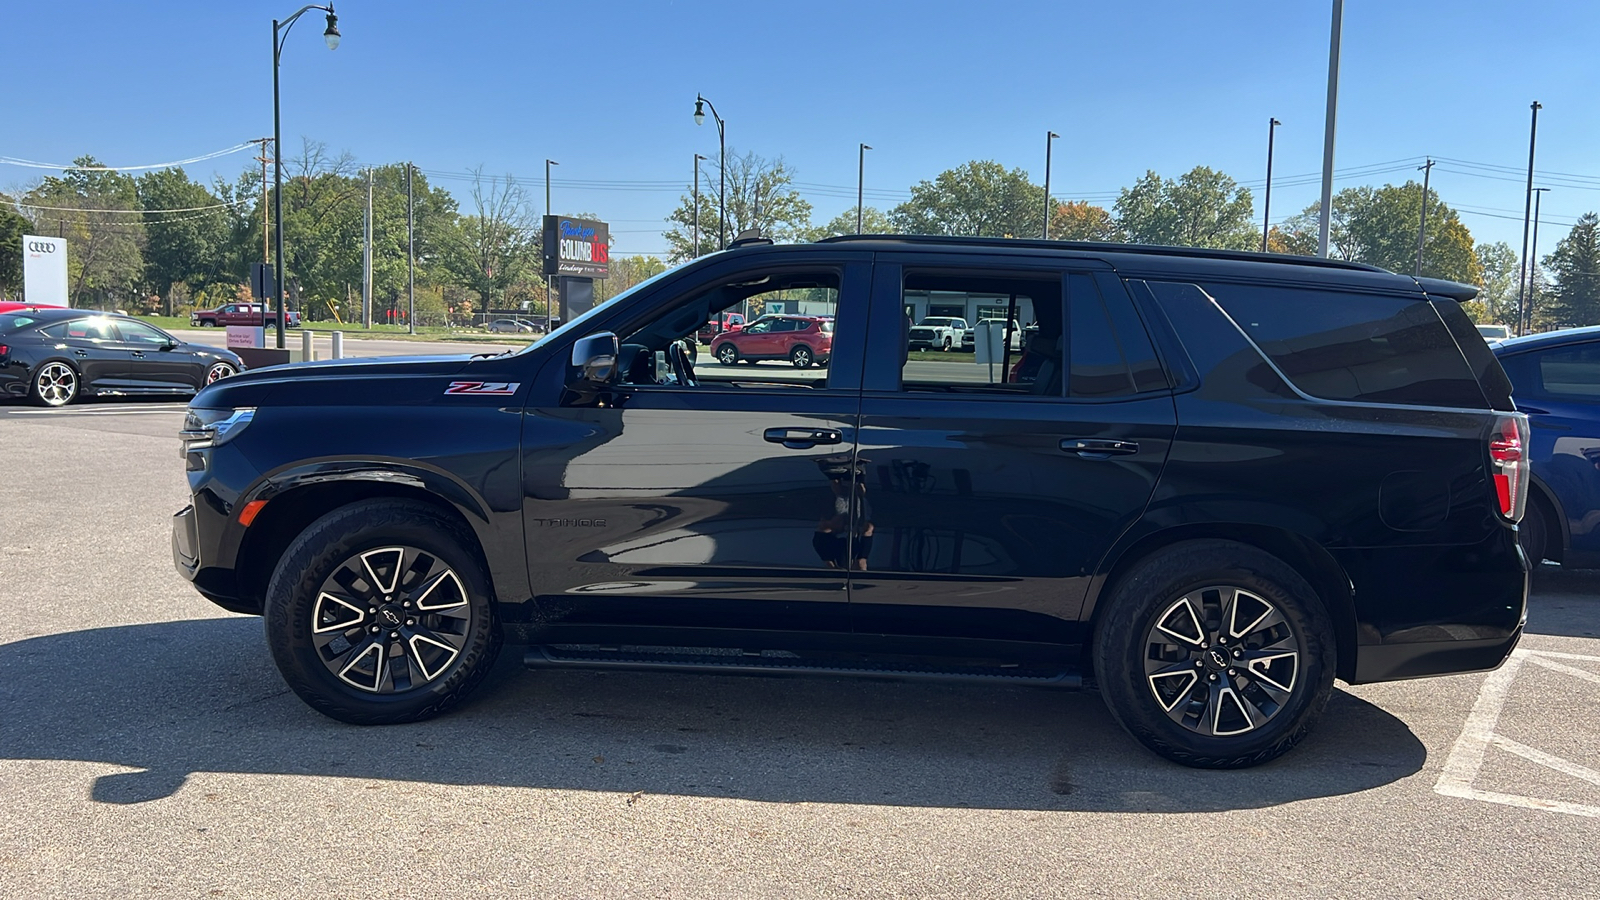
(1215, 654)
(379, 613)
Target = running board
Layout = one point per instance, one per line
(737, 662)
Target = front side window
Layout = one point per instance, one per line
(140, 333)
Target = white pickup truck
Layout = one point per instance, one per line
(937, 333)
(968, 340)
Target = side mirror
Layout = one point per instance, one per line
(595, 357)
(170, 345)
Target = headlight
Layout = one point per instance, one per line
(204, 428)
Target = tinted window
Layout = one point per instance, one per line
(140, 333)
(1021, 315)
(10, 323)
(1571, 371)
(83, 329)
(1098, 368)
(1348, 346)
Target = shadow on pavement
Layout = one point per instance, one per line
(1565, 602)
(175, 698)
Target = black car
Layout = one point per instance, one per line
(55, 356)
(1208, 483)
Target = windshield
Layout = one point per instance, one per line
(576, 326)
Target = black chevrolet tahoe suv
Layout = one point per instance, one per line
(1208, 483)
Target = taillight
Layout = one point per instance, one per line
(1508, 453)
(5, 352)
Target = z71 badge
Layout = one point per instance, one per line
(483, 387)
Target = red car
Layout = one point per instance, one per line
(12, 306)
(722, 322)
(802, 340)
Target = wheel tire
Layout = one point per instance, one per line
(1128, 663)
(219, 371)
(56, 383)
(728, 355)
(1534, 531)
(802, 357)
(947, 344)
(336, 541)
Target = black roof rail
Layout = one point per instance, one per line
(1102, 247)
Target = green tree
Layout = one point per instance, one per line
(626, 272)
(1202, 208)
(1378, 226)
(98, 213)
(1574, 294)
(12, 227)
(496, 245)
(188, 244)
(873, 221)
(760, 194)
(979, 199)
(322, 209)
(1079, 220)
(1498, 282)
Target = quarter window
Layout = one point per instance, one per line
(1571, 371)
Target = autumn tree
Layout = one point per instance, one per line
(1378, 226)
(1080, 220)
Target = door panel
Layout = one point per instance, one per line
(710, 506)
(152, 367)
(96, 350)
(990, 497)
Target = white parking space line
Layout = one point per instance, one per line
(1467, 756)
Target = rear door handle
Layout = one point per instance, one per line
(80, 353)
(802, 438)
(138, 354)
(1098, 449)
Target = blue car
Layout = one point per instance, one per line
(1556, 380)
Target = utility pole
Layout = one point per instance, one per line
(1049, 140)
(547, 211)
(411, 259)
(1527, 212)
(1533, 266)
(697, 159)
(366, 260)
(266, 252)
(1325, 222)
(1422, 227)
(861, 181)
(1266, 205)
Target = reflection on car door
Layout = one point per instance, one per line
(1559, 389)
(990, 509)
(96, 350)
(703, 507)
(153, 367)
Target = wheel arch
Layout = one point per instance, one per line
(298, 499)
(1312, 562)
(1557, 548)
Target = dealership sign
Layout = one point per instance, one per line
(576, 247)
(44, 270)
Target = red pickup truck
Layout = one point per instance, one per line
(240, 314)
(719, 324)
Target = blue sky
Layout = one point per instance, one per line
(607, 89)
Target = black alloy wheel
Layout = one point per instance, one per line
(379, 613)
(728, 354)
(55, 384)
(1215, 654)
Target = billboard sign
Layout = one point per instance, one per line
(44, 270)
(576, 247)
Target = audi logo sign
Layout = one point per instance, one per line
(44, 269)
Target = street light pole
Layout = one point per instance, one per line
(1422, 225)
(411, 257)
(1266, 204)
(1533, 265)
(722, 166)
(697, 159)
(1527, 211)
(547, 211)
(1049, 140)
(861, 181)
(1325, 220)
(280, 32)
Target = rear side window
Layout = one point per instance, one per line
(1571, 372)
(10, 323)
(1347, 346)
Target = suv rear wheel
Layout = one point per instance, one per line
(378, 613)
(1215, 654)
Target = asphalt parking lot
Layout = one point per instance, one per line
(148, 748)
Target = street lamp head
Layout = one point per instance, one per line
(866, 146)
(1276, 122)
(332, 34)
(699, 111)
(1052, 135)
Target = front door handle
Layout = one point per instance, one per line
(80, 353)
(1098, 449)
(138, 354)
(802, 438)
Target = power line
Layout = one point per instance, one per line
(30, 164)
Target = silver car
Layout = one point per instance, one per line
(509, 326)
